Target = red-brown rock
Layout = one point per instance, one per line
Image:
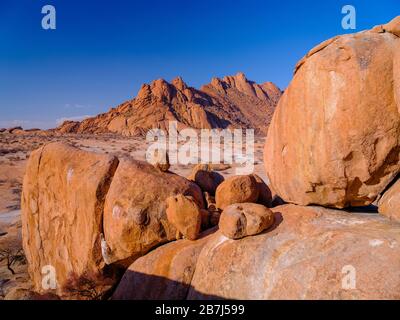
(264, 193)
(185, 215)
(310, 253)
(335, 136)
(393, 26)
(62, 208)
(135, 217)
(160, 160)
(236, 189)
(205, 178)
(389, 204)
(230, 102)
(164, 273)
(245, 219)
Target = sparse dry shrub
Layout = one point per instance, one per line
(12, 256)
(87, 286)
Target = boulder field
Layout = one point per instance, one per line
(334, 141)
(309, 253)
(87, 215)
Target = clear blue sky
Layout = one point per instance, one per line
(102, 51)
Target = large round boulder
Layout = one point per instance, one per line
(62, 217)
(135, 218)
(207, 179)
(389, 203)
(334, 139)
(236, 189)
(185, 215)
(245, 219)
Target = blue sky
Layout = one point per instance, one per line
(102, 51)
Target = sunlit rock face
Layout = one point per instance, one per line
(334, 139)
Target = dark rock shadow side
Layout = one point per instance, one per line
(139, 286)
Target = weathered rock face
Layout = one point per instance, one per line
(15, 129)
(205, 178)
(236, 189)
(185, 215)
(135, 217)
(212, 212)
(214, 217)
(164, 273)
(393, 26)
(230, 102)
(245, 219)
(335, 136)
(243, 102)
(87, 214)
(389, 204)
(209, 201)
(159, 160)
(62, 204)
(310, 253)
(264, 193)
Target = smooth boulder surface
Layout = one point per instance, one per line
(393, 26)
(389, 204)
(164, 273)
(206, 179)
(236, 189)
(334, 139)
(185, 215)
(309, 253)
(245, 219)
(135, 217)
(62, 207)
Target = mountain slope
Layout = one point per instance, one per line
(231, 102)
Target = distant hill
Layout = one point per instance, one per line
(230, 102)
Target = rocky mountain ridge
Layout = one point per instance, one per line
(230, 102)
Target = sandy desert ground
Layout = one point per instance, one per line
(14, 153)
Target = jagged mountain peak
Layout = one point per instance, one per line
(233, 101)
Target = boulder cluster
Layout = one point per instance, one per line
(91, 215)
(138, 231)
